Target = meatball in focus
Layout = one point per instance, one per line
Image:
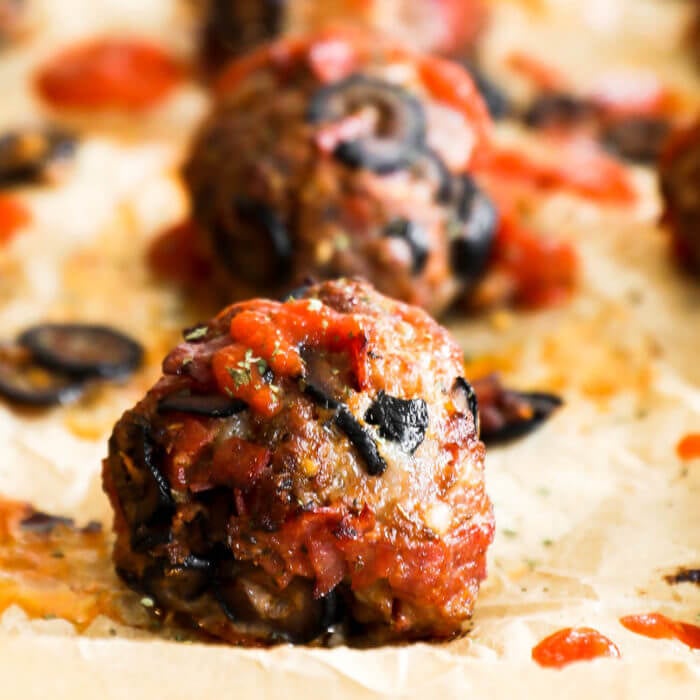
(343, 155)
(679, 171)
(232, 27)
(305, 466)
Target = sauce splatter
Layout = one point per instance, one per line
(109, 73)
(573, 644)
(658, 626)
(13, 215)
(688, 446)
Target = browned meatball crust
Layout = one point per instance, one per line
(354, 170)
(302, 466)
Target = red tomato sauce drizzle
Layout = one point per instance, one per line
(269, 334)
(658, 626)
(109, 73)
(573, 644)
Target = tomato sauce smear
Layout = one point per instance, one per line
(109, 73)
(688, 446)
(13, 215)
(573, 644)
(658, 626)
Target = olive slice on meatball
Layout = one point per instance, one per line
(82, 349)
(396, 122)
(24, 382)
(495, 98)
(638, 139)
(431, 167)
(415, 237)
(474, 229)
(212, 405)
(33, 154)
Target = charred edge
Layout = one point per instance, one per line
(361, 440)
(472, 401)
(215, 406)
(401, 420)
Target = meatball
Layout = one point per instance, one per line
(341, 155)
(302, 466)
(232, 27)
(679, 171)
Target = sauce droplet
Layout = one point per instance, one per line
(658, 626)
(688, 446)
(573, 644)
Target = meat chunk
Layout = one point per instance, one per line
(679, 171)
(303, 466)
(341, 155)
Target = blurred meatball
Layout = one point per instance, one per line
(232, 27)
(305, 466)
(340, 155)
(679, 171)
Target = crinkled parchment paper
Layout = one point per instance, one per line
(592, 510)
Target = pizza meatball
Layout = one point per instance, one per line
(306, 465)
(232, 27)
(341, 155)
(679, 171)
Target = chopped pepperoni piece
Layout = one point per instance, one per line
(109, 74)
(573, 644)
(658, 626)
(13, 215)
(689, 446)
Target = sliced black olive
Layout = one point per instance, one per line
(400, 420)
(82, 350)
(684, 576)
(212, 406)
(558, 110)
(638, 139)
(362, 440)
(473, 229)
(496, 100)
(319, 397)
(507, 414)
(463, 390)
(43, 523)
(28, 155)
(234, 26)
(399, 130)
(431, 167)
(24, 382)
(416, 238)
(298, 292)
(258, 250)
